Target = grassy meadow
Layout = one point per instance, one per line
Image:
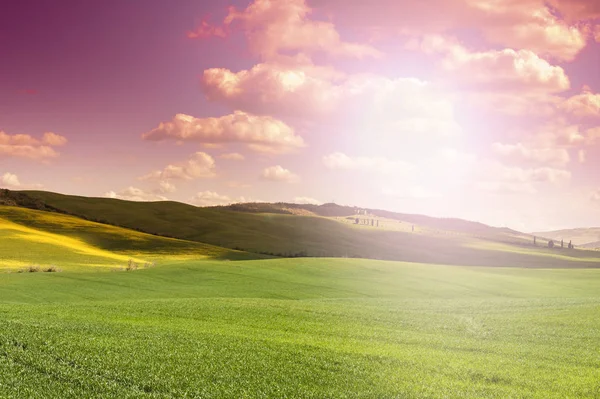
(301, 328)
(461, 317)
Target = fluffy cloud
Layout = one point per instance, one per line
(519, 24)
(414, 192)
(585, 104)
(404, 104)
(200, 165)
(307, 200)
(135, 194)
(532, 175)
(280, 174)
(506, 187)
(239, 127)
(496, 69)
(26, 146)
(53, 139)
(10, 180)
(536, 29)
(275, 27)
(504, 179)
(233, 156)
(210, 198)
(520, 152)
(165, 187)
(383, 165)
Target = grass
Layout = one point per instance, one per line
(288, 235)
(301, 328)
(29, 237)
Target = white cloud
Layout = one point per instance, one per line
(211, 198)
(383, 165)
(275, 28)
(135, 194)
(200, 165)
(404, 105)
(414, 192)
(10, 180)
(166, 187)
(280, 174)
(233, 156)
(498, 70)
(26, 146)
(307, 200)
(520, 152)
(239, 127)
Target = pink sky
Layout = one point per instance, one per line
(487, 110)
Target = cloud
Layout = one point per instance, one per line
(307, 201)
(537, 30)
(53, 139)
(233, 156)
(585, 104)
(403, 104)
(280, 174)
(502, 70)
(595, 196)
(26, 146)
(415, 192)
(135, 194)
(338, 160)
(506, 187)
(239, 127)
(199, 165)
(274, 28)
(10, 180)
(520, 152)
(211, 198)
(165, 187)
(519, 24)
(531, 175)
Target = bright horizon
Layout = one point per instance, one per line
(472, 109)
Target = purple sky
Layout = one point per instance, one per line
(474, 111)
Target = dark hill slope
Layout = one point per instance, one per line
(283, 234)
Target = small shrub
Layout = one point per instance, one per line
(52, 269)
(30, 269)
(131, 265)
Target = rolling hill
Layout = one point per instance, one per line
(583, 237)
(273, 232)
(31, 237)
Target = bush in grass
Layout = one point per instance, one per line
(52, 269)
(30, 269)
(550, 244)
(131, 265)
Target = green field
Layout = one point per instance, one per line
(211, 322)
(301, 328)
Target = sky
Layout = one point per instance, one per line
(486, 110)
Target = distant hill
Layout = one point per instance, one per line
(31, 237)
(582, 237)
(291, 230)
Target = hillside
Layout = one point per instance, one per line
(281, 234)
(30, 237)
(581, 236)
